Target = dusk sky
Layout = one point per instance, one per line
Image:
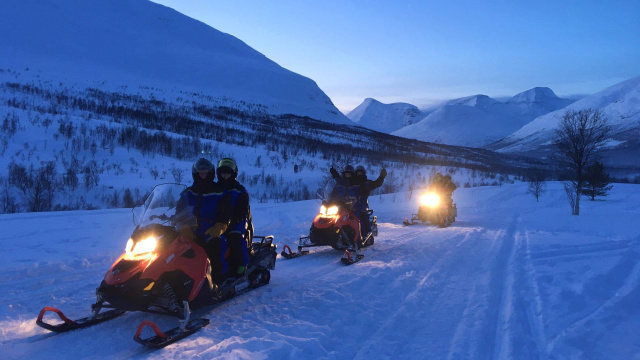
(423, 52)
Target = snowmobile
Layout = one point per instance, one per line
(337, 225)
(162, 272)
(435, 210)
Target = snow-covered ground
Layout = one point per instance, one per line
(511, 279)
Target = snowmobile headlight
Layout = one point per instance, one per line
(323, 210)
(332, 210)
(430, 199)
(141, 247)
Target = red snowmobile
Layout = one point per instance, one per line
(164, 273)
(435, 210)
(336, 225)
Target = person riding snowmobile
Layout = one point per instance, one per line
(360, 187)
(448, 187)
(240, 229)
(436, 183)
(212, 210)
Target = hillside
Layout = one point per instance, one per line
(107, 149)
(121, 44)
(480, 120)
(385, 118)
(619, 103)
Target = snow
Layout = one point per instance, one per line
(619, 103)
(479, 120)
(511, 279)
(385, 118)
(132, 42)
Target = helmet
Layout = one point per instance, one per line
(438, 176)
(348, 169)
(447, 177)
(201, 165)
(227, 165)
(360, 168)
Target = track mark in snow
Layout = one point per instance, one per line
(631, 283)
(520, 331)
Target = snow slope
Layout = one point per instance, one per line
(385, 118)
(620, 103)
(137, 42)
(511, 279)
(479, 120)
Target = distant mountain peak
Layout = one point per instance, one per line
(534, 95)
(385, 118)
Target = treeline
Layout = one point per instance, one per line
(152, 125)
(184, 129)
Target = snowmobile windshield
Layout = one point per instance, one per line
(163, 206)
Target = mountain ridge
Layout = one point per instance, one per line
(138, 41)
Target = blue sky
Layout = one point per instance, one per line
(422, 52)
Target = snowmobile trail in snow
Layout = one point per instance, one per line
(510, 279)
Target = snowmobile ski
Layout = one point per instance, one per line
(162, 339)
(290, 254)
(348, 259)
(69, 324)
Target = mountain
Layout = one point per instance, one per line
(538, 101)
(138, 42)
(385, 118)
(479, 120)
(620, 103)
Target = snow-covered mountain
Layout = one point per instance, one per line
(621, 105)
(538, 101)
(479, 120)
(385, 118)
(138, 42)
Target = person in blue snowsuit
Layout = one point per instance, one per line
(212, 209)
(240, 232)
(359, 187)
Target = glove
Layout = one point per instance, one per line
(187, 233)
(216, 230)
(334, 173)
(383, 173)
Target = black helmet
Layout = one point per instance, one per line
(348, 169)
(227, 165)
(360, 168)
(202, 164)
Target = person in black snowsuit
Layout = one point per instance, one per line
(240, 232)
(360, 187)
(212, 210)
(447, 188)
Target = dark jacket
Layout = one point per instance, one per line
(359, 186)
(240, 217)
(209, 203)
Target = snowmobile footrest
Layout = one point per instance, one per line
(69, 324)
(348, 259)
(162, 339)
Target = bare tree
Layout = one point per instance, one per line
(177, 174)
(579, 139)
(537, 183)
